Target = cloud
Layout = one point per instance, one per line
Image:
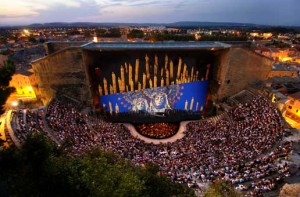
(132, 3)
(13, 8)
(254, 11)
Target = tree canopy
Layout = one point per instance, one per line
(6, 73)
(112, 32)
(167, 36)
(39, 168)
(135, 33)
(220, 188)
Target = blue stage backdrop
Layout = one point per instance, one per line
(188, 96)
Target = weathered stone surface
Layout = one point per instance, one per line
(52, 47)
(237, 68)
(290, 190)
(62, 72)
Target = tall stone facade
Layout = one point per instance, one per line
(62, 72)
(237, 68)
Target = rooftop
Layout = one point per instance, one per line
(109, 46)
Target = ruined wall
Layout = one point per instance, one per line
(52, 47)
(61, 73)
(283, 73)
(238, 67)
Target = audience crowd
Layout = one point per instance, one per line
(239, 148)
(27, 122)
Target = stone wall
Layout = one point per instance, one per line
(290, 190)
(52, 47)
(237, 68)
(61, 73)
(283, 73)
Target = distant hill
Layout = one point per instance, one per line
(176, 24)
(211, 24)
(186, 24)
(89, 24)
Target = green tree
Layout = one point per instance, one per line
(167, 36)
(6, 73)
(6, 52)
(135, 33)
(38, 169)
(220, 188)
(101, 32)
(114, 33)
(32, 39)
(4, 36)
(88, 34)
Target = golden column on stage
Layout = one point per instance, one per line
(171, 70)
(181, 78)
(122, 89)
(110, 107)
(114, 82)
(131, 85)
(156, 60)
(167, 78)
(117, 108)
(111, 89)
(100, 90)
(144, 81)
(166, 62)
(155, 81)
(162, 82)
(130, 73)
(184, 72)
(150, 83)
(136, 76)
(147, 67)
(119, 84)
(192, 103)
(192, 74)
(126, 67)
(105, 86)
(155, 69)
(186, 105)
(179, 68)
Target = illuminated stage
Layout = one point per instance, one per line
(89, 72)
(158, 79)
(189, 96)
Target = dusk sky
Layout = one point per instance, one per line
(267, 12)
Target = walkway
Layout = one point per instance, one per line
(10, 129)
(2, 124)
